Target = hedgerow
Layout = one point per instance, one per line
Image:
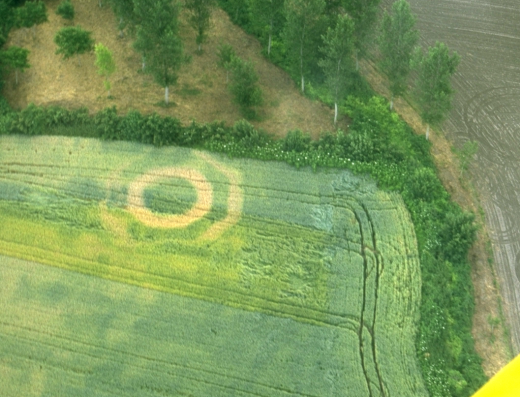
(378, 143)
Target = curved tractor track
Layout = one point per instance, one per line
(487, 36)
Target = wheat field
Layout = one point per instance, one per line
(133, 270)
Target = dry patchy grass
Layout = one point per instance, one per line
(201, 93)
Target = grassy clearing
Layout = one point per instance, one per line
(321, 251)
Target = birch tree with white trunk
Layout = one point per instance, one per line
(200, 14)
(396, 43)
(337, 63)
(267, 15)
(158, 38)
(302, 17)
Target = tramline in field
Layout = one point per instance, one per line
(242, 277)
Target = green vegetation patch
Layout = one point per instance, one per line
(322, 255)
(68, 334)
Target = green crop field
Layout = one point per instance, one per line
(197, 275)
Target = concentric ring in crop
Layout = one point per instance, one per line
(202, 206)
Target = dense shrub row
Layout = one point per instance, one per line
(379, 144)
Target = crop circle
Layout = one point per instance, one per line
(170, 196)
(136, 202)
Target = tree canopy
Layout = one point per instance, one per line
(302, 17)
(15, 58)
(31, 14)
(337, 61)
(244, 85)
(66, 10)
(158, 39)
(73, 40)
(364, 13)
(268, 16)
(200, 13)
(433, 86)
(7, 20)
(396, 43)
(125, 11)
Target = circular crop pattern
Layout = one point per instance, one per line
(136, 201)
(170, 196)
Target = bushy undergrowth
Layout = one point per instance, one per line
(379, 143)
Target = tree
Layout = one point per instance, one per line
(266, 15)
(7, 20)
(158, 38)
(244, 85)
(65, 10)
(364, 14)
(15, 58)
(433, 85)
(105, 63)
(333, 8)
(125, 11)
(337, 61)
(302, 17)
(31, 14)
(238, 10)
(200, 11)
(396, 43)
(225, 54)
(466, 155)
(73, 40)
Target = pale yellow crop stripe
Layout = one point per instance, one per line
(136, 205)
(506, 383)
(235, 200)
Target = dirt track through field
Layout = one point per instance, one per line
(487, 36)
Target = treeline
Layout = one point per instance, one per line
(320, 42)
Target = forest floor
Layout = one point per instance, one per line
(201, 94)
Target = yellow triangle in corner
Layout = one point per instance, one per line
(506, 383)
